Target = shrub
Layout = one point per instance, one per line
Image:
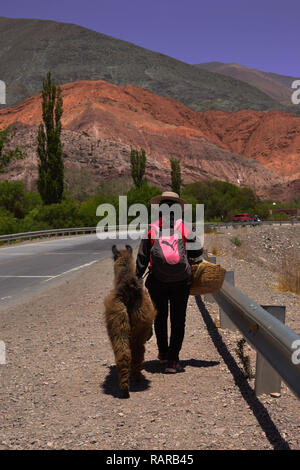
(4, 212)
(262, 211)
(12, 196)
(87, 210)
(236, 241)
(279, 216)
(8, 225)
(245, 360)
(31, 200)
(142, 195)
(62, 215)
(222, 199)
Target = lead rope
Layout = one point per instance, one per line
(147, 272)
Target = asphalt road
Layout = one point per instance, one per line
(29, 268)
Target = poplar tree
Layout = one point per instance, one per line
(138, 166)
(51, 166)
(175, 175)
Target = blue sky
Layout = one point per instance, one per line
(262, 34)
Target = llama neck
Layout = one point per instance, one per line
(129, 289)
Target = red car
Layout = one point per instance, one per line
(242, 218)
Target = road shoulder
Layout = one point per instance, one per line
(59, 387)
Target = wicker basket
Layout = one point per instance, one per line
(207, 278)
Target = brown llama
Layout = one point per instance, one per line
(129, 315)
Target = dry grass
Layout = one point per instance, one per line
(214, 244)
(242, 247)
(289, 275)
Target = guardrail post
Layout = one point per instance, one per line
(209, 297)
(225, 321)
(266, 378)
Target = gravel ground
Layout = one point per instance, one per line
(59, 388)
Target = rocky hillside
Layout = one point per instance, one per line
(272, 138)
(31, 48)
(135, 116)
(102, 121)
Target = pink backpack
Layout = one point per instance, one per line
(169, 262)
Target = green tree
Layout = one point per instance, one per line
(62, 215)
(51, 167)
(15, 201)
(5, 157)
(8, 225)
(138, 166)
(88, 208)
(175, 175)
(142, 195)
(222, 199)
(12, 196)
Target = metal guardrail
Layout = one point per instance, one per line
(45, 233)
(77, 230)
(60, 231)
(266, 334)
(253, 224)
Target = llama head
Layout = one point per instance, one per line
(122, 253)
(123, 261)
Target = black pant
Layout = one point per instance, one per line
(161, 293)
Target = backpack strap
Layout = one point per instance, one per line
(179, 223)
(154, 230)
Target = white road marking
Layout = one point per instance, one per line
(71, 253)
(12, 254)
(70, 270)
(27, 253)
(63, 240)
(25, 276)
(50, 276)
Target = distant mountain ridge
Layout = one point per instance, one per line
(277, 86)
(31, 48)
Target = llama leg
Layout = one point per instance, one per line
(118, 328)
(137, 354)
(123, 360)
(137, 362)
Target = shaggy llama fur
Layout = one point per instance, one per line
(129, 316)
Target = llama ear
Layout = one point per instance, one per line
(129, 249)
(115, 251)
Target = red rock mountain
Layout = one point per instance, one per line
(102, 121)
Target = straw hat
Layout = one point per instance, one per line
(168, 196)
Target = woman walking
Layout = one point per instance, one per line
(169, 277)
